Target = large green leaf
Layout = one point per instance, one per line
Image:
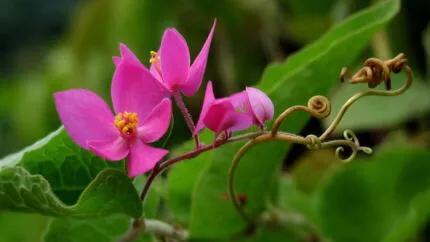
(384, 198)
(312, 71)
(110, 192)
(107, 229)
(56, 177)
(180, 181)
(12, 226)
(68, 168)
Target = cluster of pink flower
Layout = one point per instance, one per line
(141, 102)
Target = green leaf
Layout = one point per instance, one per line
(366, 113)
(12, 226)
(180, 182)
(56, 177)
(415, 218)
(384, 198)
(13, 159)
(68, 168)
(311, 71)
(152, 201)
(107, 229)
(111, 192)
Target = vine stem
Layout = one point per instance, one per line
(191, 154)
(359, 95)
(319, 107)
(187, 117)
(279, 136)
(137, 224)
(374, 72)
(153, 226)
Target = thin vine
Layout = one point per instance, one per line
(374, 72)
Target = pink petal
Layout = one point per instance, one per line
(197, 69)
(116, 60)
(157, 123)
(143, 158)
(174, 58)
(208, 100)
(261, 105)
(222, 116)
(237, 121)
(112, 150)
(128, 55)
(134, 89)
(240, 102)
(155, 72)
(85, 116)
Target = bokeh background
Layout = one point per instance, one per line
(50, 45)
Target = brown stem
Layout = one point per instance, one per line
(191, 154)
(187, 117)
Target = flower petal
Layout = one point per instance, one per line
(222, 116)
(261, 105)
(113, 150)
(174, 58)
(128, 55)
(155, 71)
(134, 89)
(197, 69)
(208, 100)
(85, 116)
(116, 60)
(240, 102)
(156, 124)
(143, 158)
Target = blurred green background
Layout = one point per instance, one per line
(50, 45)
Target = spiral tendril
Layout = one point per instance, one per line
(374, 72)
(318, 106)
(353, 143)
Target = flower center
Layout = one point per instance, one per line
(240, 109)
(155, 61)
(126, 123)
(155, 58)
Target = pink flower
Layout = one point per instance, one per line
(171, 64)
(237, 112)
(142, 116)
(256, 103)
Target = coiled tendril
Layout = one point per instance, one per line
(374, 72)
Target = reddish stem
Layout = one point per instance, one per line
(161, 166)
(187, 117)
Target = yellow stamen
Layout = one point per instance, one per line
(240, 109)
(126, 123)
(155, 58)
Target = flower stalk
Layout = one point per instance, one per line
(187, 117)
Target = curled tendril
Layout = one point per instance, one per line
(374, 72)
(353, 143)
(314, 142)
(318, 106)
(350, 141)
